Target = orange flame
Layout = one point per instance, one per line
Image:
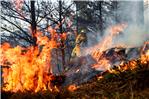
(145, 57)
(72, 88)
(29, 68)
(105, 44)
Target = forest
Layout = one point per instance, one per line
(71, 49)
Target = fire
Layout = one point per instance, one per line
(131, 65)
(72, 88)
(145, 57)
(145, 54)
(28, 68)
(107, 40)
(135, 63)
(103, 64)
(106, 43)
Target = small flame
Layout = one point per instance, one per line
(145, 57)
(72, 88)
(103, 64)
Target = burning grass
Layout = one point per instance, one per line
(117, 85)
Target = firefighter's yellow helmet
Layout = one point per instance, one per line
(82, 31)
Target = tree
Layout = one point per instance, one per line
(33, 22)
(34, 14)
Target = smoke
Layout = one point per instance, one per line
(133, 13)
(135, 34)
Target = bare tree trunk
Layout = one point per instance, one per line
(61, 31)
(100, 18)
(33, 22)
(115, 7)
(77, 18)
(141, 15)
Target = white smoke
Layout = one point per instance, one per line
(134, 14)
(133, 36)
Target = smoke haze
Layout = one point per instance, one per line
(135, 34)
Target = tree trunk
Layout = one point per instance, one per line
(141, 16)
(33, 22)
(61, 31)
(115, 8)
(100, 18)
(77, 18)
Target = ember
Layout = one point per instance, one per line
(72, 88)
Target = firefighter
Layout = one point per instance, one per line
(76, 51)
(80, 42)
(81, 39)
